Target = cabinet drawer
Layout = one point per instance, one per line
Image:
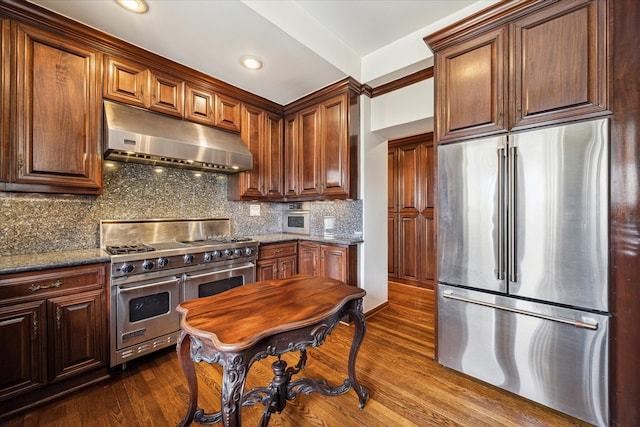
(277, 250)
(47, 283)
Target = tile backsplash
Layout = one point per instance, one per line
(34, 222)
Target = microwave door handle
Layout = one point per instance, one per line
(150, 285)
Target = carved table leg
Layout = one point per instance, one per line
(355, 310)
(184, 357)
(233, 378)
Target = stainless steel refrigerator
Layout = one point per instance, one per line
(522, 264)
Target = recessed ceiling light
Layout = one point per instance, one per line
(251, 62)
(137, 6)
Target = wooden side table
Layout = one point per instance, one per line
(243, 325)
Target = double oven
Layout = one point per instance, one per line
(156, 265)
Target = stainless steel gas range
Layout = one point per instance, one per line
(156, 265)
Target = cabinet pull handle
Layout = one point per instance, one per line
(59, 317)
(55, 284)
(35, 323)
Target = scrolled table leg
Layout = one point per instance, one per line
(235, 368)
(355, 310)
(184, 357)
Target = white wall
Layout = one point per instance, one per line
(405, 112)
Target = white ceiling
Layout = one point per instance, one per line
(305, 44)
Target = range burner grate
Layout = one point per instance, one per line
(129, 249)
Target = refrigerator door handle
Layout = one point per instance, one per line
(500, 271)
(586, 323)
(513, 194)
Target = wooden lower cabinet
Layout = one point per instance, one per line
(53, 333)
(277, 261)
(328, 260)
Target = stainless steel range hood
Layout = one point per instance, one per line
(139, 136)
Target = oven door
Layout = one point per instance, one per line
(213, 281)
(147, 310)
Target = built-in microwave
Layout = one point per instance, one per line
(295, 218)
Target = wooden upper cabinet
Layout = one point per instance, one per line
(559, 64)
(166, 94)
(199, 105)
(519, 66)
(126, 81)
(227, 113)
(135, 84)
(321, 151)
(334, 149)
(262, 133)
(471, 87)
(56, 144)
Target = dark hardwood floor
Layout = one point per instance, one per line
(407, 387)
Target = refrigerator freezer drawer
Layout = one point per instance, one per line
(552, 355)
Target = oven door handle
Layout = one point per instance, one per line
(149, 285)
(209, 273)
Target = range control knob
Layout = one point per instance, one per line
(217, 253)
(248, 251)
(239, 252)
(147, 265)
(126, 268)
(228, 252)
(188, 258)
(208, 257)
(162, 261)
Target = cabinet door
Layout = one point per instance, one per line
(308, 258)
(272, 159)
(471, 87)
(126, 81)
(78, 332)
(408, 246)
(167, 95)
(57, 134)
(252, 127)
(309, 152)
(287, 267)
(266, 269)
(23, 349)
(227, 113)
(199, 105)
(559, 63)
(334, 148)
(291, 156)
(333, 262)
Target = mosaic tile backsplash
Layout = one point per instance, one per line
(32, 222)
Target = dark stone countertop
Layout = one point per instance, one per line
(45, 260)
(283, 237)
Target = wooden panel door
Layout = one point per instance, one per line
(471, 87)
(287, 266)
(291, 156)
(58, 112)
(559, 64)
(408, 246)
(334, 262)
(198, 105)
(251, 180)
(266, 269)
(5, 63)
(126, 81)
(167, 94)
(272, 160)
(334, 148)
(309, 134)
(308, 258)
(78, 331)
(23, 349)
(227, 113)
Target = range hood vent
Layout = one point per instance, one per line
(139, 136)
